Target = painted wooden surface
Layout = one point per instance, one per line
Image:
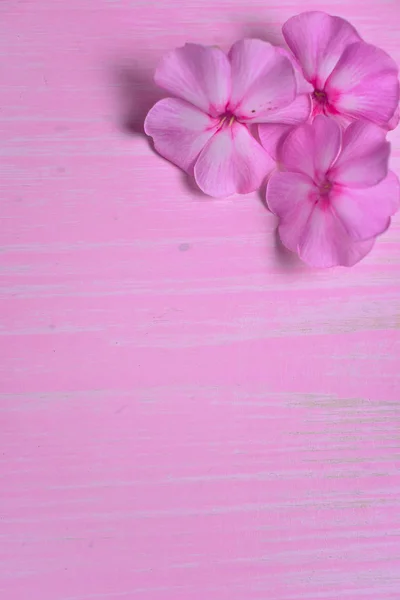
(187, 413)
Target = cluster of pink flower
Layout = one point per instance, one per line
(316, 118)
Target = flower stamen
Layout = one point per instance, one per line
(320, 96)
(325, 188)
(226, 120)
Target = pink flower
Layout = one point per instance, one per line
(205, 129)
(347, 78)
(335, 194)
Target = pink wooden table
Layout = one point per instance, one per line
(187, 413)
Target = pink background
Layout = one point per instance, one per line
(187, 413)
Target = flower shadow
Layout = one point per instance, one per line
(288, 261)
(190, 184)
(137, 94)
(266, 33)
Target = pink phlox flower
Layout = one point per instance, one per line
(335, 193)
(205, 128)
(346, 78)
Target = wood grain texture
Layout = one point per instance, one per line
(187, 413)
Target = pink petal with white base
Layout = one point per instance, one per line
(199, 74)
(290, 196)
(364, 158)
(364, 84)
(232, 162)
(262, 80)
(326, 243)
(180, 131)
(366, 213)
(318, 40)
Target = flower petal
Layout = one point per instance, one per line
(297, 150)
(290, 197)
(303, 86)
(281, 121)
(294, 113)
(232, 161)
(286, 191)
(272, 136)
(198, 74)
(262, 80)
(180, 131)
(394, 121)
(364, 158)
(317, 40)
(327, 141)
(342, 120)
(325, 242)
(366, 213)
(311, 149)
(364, 84)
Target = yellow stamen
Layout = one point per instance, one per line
(231, 121)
